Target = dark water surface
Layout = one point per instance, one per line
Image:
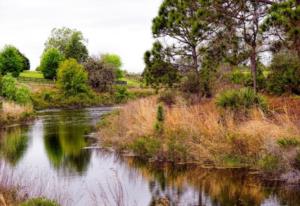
(55, 157)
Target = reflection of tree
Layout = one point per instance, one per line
(214, 187)
(65, 140)
(13, 144)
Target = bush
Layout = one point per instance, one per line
(285, 73)
(9, 87)
(11, 61)
(72, 79)
(23, 96)
(288, 142)
(39, 202)
(160, 118)
(50, 61)
(240, 99)
(269, 163)
(145, 147)
(121, 94)
(168, 97)
(191, 84)
(101, 75)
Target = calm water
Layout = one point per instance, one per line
(55, 157)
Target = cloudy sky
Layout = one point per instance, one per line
(113, 26)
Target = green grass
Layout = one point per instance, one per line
(131, 82)
(32, 74)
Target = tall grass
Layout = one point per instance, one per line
(202, 133)
(12, 112)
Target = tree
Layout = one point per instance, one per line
(70, 43)
(244, 19)
(159, 72)
(188, 24)
(72, 79)
(50, 61)
(11, 61)
(26, 62)
(283, 22)
(101, 75)
(116, 61)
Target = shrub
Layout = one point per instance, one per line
(9, 87)
(50, 61)
(11, 61)
(240, 99)
(121, 94)
(288, 142)
(23, 95)
(101, 75)
(160, 118)
(72, 79)
(269, 163)
(168, 97)
(146, 147)
(191, 84)
(39, 202)
(285, 73)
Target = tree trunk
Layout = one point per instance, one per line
(254, 69)
(195, 61)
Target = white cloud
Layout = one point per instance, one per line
(117, 26)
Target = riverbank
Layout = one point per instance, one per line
(11, 113)
(204, 134)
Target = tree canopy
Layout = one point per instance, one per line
(11, 61)
(50, 61)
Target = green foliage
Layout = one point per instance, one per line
(101, 75)
(23, 95)
(160, 118)
(25, 60)
(121, 94)
(190, 84)
(269, 163)
(68, 42)
(146, 147)
(244, 98)
(50, 61)
(168, 97)
(32, 74)
(116, 62)
(177, 149)
(159, 72)
(72, 79)
(285, 73)
(39, 202)
(11, 61)
(8, 86)
(288, 142)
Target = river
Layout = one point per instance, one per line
(56, 156)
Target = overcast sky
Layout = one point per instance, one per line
(111, 26)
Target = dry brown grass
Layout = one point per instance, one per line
(206, 132)
(12, 112)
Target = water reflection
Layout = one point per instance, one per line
(13, 144)
(65, 142)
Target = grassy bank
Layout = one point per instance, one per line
(13, 113)
(205, 134)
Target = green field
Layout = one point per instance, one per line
(131, 82)
(32, 74)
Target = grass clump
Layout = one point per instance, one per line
(168, 97)
(39, 202)
(237, 99)
(146, 147)
(288, 142)
(269, 163)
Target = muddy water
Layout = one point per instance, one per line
(56, 157)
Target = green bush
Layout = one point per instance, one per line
(288, 142)
(191, 84)
(244, 98)
(285, 74)
(121, 94)
(168, 97)
(9, 87)
(23, 95)
(269, 163)
(39, 202)
(11, 61)
(50, 61)
(146, 147)
(72, 79)
(160, 118)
